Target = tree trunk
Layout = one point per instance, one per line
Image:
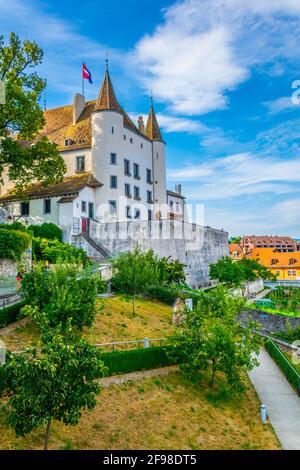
(47, 435)
(133, 304)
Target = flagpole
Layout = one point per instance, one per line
(82, 79)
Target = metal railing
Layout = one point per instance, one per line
(145, 343)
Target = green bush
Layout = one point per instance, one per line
(287, 368)
(163, 294)
(48, 231)
(14, 226)
(54, 251)
(122, 362)
(66, 293)
(13, 243)
(10, 314)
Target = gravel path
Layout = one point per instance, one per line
(120, 379)
(9, 330)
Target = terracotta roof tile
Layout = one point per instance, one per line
(69, 185)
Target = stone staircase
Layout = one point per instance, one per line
(99, 250)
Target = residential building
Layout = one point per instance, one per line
(285, 265)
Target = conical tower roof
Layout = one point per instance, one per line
(152, 127)
(107, 99)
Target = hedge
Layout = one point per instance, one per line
(13, 243)
(10, 314)
(163, 294)
(121, 362)
(287, 368)
(47, 230)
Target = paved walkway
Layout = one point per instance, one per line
(282, 402)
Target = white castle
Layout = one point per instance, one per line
(114, 191)
(115, 169)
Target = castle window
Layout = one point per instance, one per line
(83, 206)
(113, 182)
(149, 197)
(127, 190)
(137, 214)
(127, 167)
(292, 261)
(24, 208)
(136, 171)
(156, 154)
(124, 136)
(136, 193)
(113, 158)
(149, 176)
(112, 130)
(47, 206)
(80, 164)
(128, 212)
(112, 206)
(131, 140)
(142, 145)
(177, 206)
(171, 204)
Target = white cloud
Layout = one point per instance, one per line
(64, 48)
(238, 175)
(280, 105)
(288, 211)
(204, 49)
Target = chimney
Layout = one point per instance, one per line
(141, 124)
(178, 189)
(78, 107)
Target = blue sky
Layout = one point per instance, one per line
(221, 73)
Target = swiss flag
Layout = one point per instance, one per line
(86, 73)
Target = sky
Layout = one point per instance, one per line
(223, 75)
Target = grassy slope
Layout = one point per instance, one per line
(162, 413)
(114, 322)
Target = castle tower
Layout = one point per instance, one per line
(158, 157)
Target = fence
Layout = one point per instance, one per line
(141, 343)
(8, 286)
(287, 368)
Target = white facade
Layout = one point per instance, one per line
(127, 162)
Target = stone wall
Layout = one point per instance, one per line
(195, 246)
(8, 267)
(270, 322)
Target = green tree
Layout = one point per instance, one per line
(233, 273)
(58, 296)
(211, 338)
(236, 240)
(21, 117)
(226, 271)
(171, 271)
(56, 383)
(134, 273)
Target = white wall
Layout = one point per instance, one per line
(69, 157)
(178, 210)
(159, 173)
(104, 143)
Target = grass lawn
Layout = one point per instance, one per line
(158, 413)
(114, 322)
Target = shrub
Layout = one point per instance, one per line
(13, 243)
(48, 231)
(54, 251)
(10, 314)
(64, 294)
(163, 294)
(121, 362)
(14, 226)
